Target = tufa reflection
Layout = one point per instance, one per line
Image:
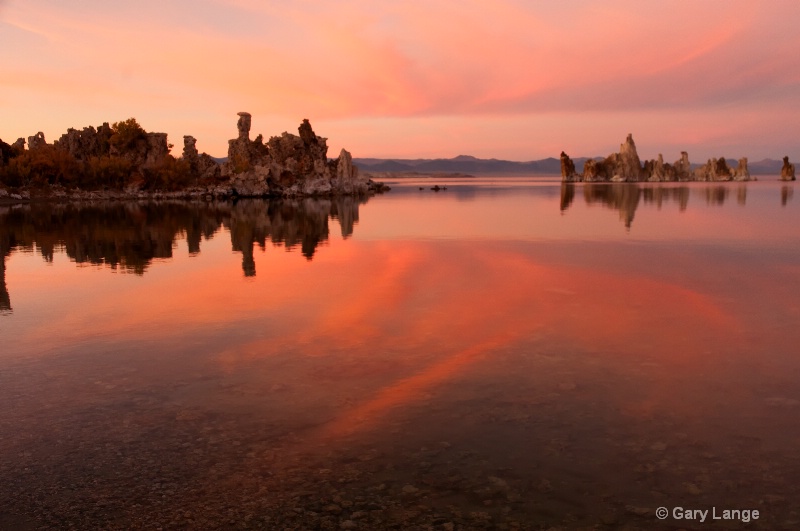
(129, 236)
(6, 244)
(288, 222)
(786, 193)
(625, 197)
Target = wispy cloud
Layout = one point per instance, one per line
(412, 60)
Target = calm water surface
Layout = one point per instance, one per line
(506, 353)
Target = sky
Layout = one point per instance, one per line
(509, 79)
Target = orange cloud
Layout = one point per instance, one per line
(402, 67)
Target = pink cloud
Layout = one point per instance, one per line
(386, 63)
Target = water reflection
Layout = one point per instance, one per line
(503, 382)
(129, 236)
(289, 223)
(5, 250)
(625, 197)
(786, 193)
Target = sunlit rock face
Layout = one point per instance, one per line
(628, 166)
(741, 173)
(625, 166)
(290, 165)
(568, 173)
(787, 172)
(658, 171)
(593, 171)
(244, 154)
(713, 170)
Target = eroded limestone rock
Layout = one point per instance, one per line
(244, 154)
(568, 173)
(36, 141)
(628, 166)
(345, 170)
(18, 146)
(787, 171)
(86, 143)
(683, 168)
(202, 166)
(741, 173)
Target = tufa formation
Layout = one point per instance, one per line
(123, 160)
(787, 172)
(625, 166)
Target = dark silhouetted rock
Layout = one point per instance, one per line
(86, 143)
(36, 141)
(202, 166)
(6, 152)
(190, 153)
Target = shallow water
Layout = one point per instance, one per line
(506, 353)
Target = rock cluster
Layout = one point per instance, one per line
(787, 172)
(86, 143)
(290, 165)
(89, 142)
(36, 141)
(201, 165)
(625, 166)
(126, 157)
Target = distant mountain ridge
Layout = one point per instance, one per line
(548, 166)
(462, 164)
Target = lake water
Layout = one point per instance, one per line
(503, 354)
